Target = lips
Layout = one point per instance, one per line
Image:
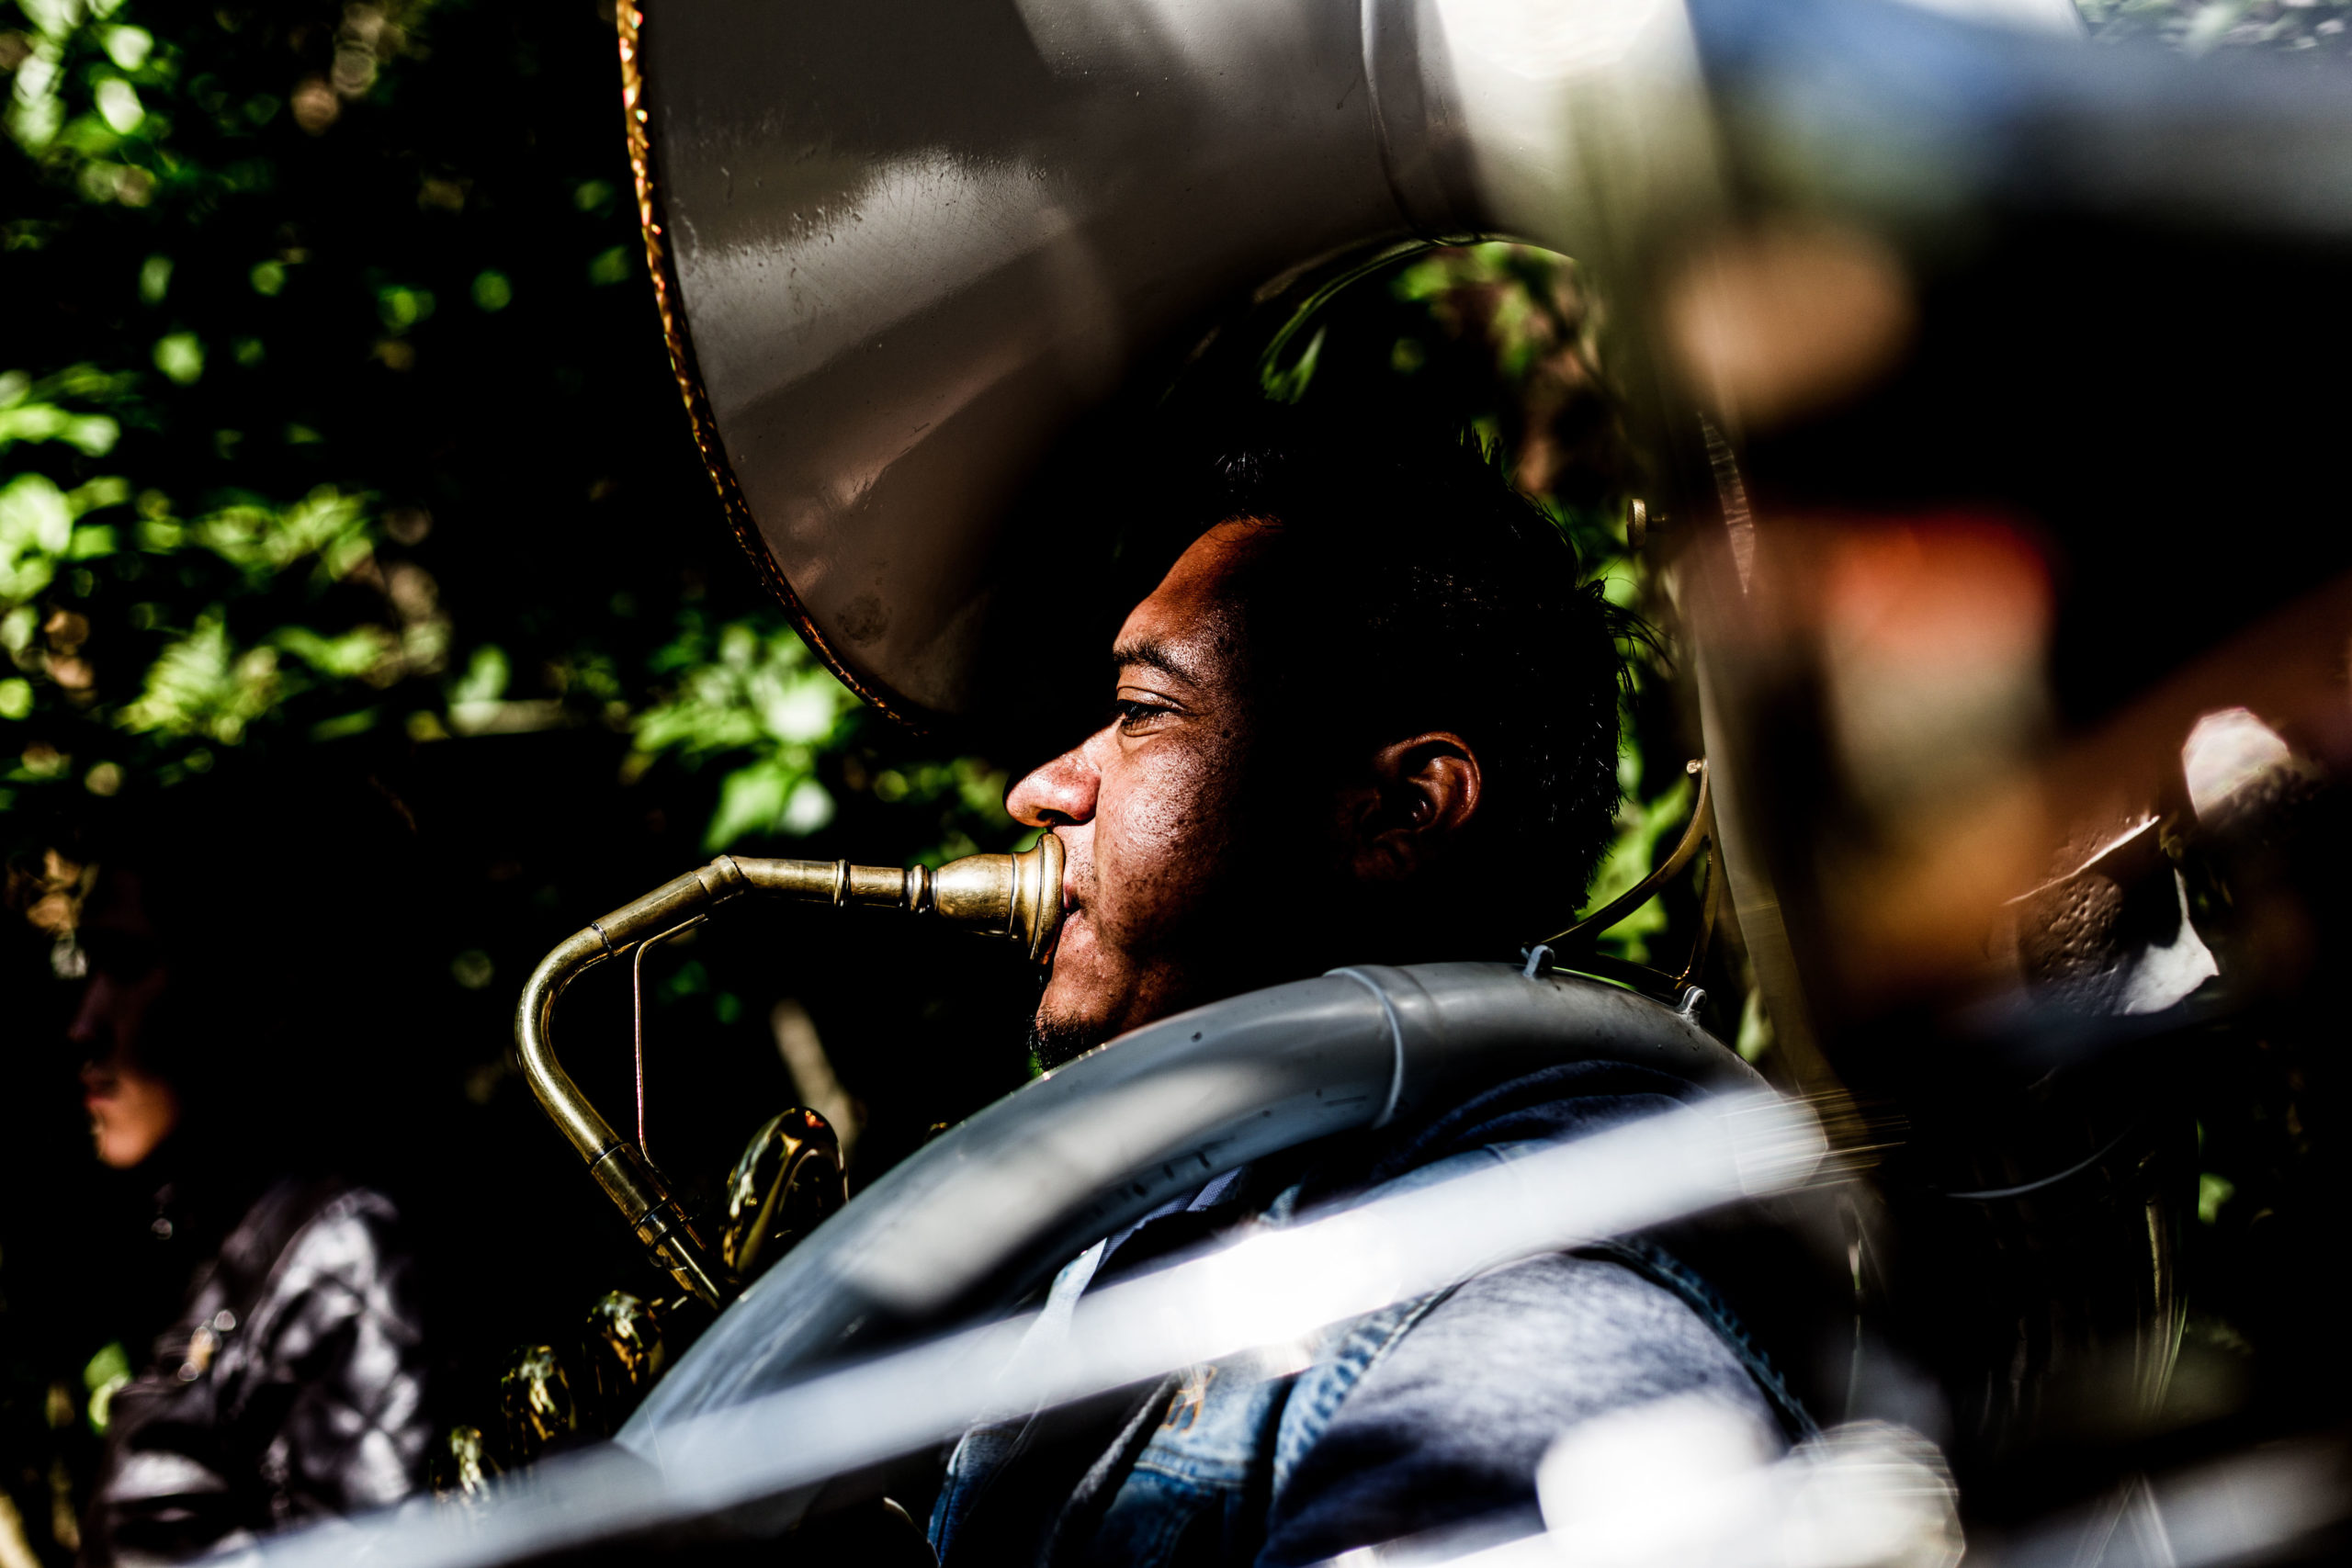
(1075, 881)
(1073, 900)
(1067, 936)
(1071, 915)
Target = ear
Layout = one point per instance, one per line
(1421, 794)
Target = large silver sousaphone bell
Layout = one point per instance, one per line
(901, 246)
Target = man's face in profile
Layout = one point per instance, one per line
(1151, 809)
(1229, 828)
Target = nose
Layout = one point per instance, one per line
(1063, 791)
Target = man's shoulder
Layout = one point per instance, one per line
(1565, 1334)
(1446, 1417)
(1439, 1410)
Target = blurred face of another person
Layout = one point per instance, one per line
(131, 1109)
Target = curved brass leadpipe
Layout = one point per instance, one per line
(1018, 897)
(1700, 831)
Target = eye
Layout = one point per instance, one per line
(1135, 715)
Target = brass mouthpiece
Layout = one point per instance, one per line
(1014, 896)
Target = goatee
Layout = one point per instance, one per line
(1054, 1041)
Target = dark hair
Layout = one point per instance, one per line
(1457, 604)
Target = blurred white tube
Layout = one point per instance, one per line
(1676, 1484)
(2253, 1505)
(1691, 1482)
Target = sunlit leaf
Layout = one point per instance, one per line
(119, 106)
(129, 47)
(402, 307)
(180, 356)
(750, 799)
(202, 685)
(326, 524)
(617, 264)
(36, 527)
(487, 672)
(354, 654)
(91, 542)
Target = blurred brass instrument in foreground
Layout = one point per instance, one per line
(1017, 896)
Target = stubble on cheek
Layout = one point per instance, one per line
(1147, 938)
(1149, 931)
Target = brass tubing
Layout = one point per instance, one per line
(1701, 831)
(1018, 897)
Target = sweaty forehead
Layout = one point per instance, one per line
(1190, 625)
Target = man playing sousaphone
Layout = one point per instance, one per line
(1369, 715)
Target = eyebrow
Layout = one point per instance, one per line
(1152, 655)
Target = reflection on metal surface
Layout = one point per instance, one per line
(789, 1179)
(535, 1403)
(653, 222)
(2113, 938)
(899, 287)
(2228, 754)
(637, 1022)
(622, 1354)
(461, 1467)
(1017, 898)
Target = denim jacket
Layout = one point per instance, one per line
(1424, 1414)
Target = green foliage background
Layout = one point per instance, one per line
(336, 411)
